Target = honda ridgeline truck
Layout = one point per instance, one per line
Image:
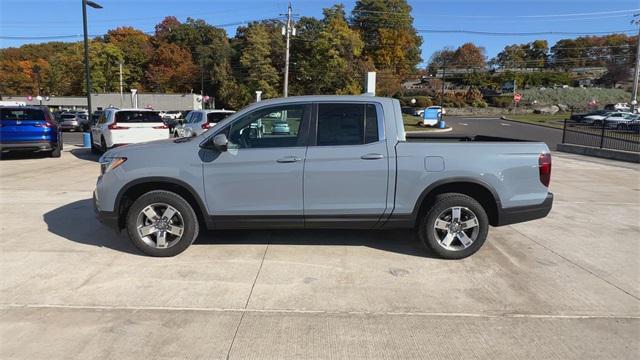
(344, 162)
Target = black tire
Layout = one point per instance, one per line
(191, 226)
(103, 145)
(442, 202)
(94, 148)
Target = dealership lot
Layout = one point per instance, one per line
(564, 287)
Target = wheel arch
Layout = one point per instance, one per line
(477, 189)
(136, 188)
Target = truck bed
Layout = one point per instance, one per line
(475, 138)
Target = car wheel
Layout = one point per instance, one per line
(161, 223)
(94, 148)
(103, 145)
(455, 226)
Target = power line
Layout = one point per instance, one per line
(489, 33)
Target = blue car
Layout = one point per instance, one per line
(29, 128)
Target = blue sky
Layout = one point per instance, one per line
(35, 18)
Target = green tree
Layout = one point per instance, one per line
(329, 60)
(136, 48)
(256, 70)
(390, 40)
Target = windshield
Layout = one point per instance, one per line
(138, 117)
(217, 116)
(21, 114)
(68, 116)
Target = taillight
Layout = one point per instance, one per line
(44, 124)
(544, 165)
(114, 126)
(161, 127)
(206, 126)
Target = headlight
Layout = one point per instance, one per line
(110, 163)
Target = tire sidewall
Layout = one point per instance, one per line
(441, 203)
(191, 226)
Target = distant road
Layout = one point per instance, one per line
(503, 128)
(461, 126)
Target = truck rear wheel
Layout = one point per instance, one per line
(454, 227)
(161, 223)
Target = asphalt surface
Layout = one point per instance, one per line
(503, 128)
(563, 287)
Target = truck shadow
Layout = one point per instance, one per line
(76, 222)
(85, 154)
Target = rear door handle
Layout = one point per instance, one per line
(372, 156)
(289, 159)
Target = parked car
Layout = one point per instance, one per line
(29, 128)
(613, 119)
(580, 117)
(199, 121)
(622, 123)
(598, 119)
(74, 121)
(346, 163)
(618, 107)
(126, 126)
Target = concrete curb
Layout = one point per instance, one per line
(601, 153)
(528, 123)
(430, 131)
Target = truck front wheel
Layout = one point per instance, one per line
(162, 223)
(454, 227)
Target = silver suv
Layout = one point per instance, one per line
(198, 121)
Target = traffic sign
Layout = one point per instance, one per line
(517, 98)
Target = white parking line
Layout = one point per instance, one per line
(503, 124)
(464, 124)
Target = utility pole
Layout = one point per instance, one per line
(444, 72)
(634, 91)
(288, 31)
(121, 85)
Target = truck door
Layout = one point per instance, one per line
(347, 166)
(259, 179)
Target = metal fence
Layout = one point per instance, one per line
(602, 135)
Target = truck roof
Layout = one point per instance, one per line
(325, 98)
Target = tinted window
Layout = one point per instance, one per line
(138, 117)
(277, 126)
(68, 116)
(21, 114)
(216, 117)
(347, 124)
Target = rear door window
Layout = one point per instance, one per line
(129, 116)
(346, 124)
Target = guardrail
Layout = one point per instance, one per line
(602, 135)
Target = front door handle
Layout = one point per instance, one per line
(372, 156)
(289, 159)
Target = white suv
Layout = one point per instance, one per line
(198, 121)
(127, 126)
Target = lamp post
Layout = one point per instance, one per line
(87, 71)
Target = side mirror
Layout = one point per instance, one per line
(220, 142)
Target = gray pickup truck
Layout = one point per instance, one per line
(344, 162)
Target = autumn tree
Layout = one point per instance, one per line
(390, 40)
(171, 69)
(136, 48)
(469, 56)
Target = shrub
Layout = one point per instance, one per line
(501, 101)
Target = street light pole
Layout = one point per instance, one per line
(87, 72)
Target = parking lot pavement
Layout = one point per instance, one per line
(564, 287)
